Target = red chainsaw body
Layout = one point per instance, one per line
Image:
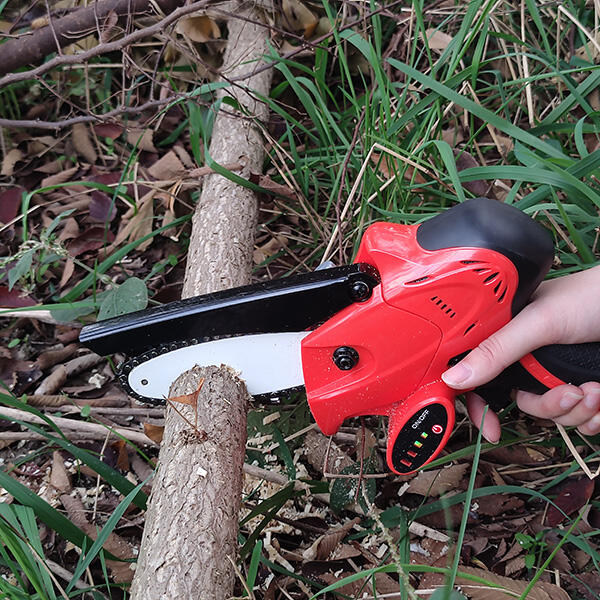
(430, 307)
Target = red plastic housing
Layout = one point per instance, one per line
(430, 307)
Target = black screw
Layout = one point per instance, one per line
(345, 358)
(360, 291)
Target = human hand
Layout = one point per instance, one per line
(565, 310)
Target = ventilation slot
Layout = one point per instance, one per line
(469, 262)
(443, 306)
(419, 280)
(502, 295)
(490, 277)
(469, 328)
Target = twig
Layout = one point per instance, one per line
(78, 426)
(67, 59)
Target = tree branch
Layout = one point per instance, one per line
(191, 528)
(6, 51)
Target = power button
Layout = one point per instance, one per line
(437, 429)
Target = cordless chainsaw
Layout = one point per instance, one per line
(370, 338)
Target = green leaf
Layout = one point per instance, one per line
(346, 490)
(85, 411)
(529, 560)
(442, 594)
(130, 296)
(22, 268)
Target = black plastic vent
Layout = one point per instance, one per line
(443, 306)
(417, 281)
(469, 328)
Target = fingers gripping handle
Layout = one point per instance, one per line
(569, 363)
(544, 369)
(419, 428)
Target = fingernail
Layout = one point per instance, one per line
(458, 375)
(492, 441)
(594, 423)
(570, 399)
(592, 398)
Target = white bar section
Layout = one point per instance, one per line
(267, 362)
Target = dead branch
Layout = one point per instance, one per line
(136, 437)
(103, 48)
(187, 548)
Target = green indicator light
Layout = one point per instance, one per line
(424, 435)
(418, 444)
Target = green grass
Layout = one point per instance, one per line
(369, 126)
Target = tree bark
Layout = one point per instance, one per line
(31, 48)
(190, 539)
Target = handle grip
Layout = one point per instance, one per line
(543, 369)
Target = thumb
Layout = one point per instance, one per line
(517, 338)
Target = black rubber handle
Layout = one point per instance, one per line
(571, 363)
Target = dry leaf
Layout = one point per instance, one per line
(10, 201)
(438, 40)
(109, 26)
(59, 477)
(60, 177)
(318, 447)
(167, 167)
(438, 481)
(120, 446)
(324, 545)
(11, 158)
(80, 136)
(140, 224)
(199, 28)
(506, 588)
(573, 495)
(108, 130)
(142, 138)
(298, 17)
(115, 544)
(154, 432)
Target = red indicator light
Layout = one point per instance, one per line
(411, 453)
(405, 462)
(437, 429)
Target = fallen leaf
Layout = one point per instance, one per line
(506, 588)
(298, 17)
(91, 239)
(11, 158)
(199, 28)
(109, 27)
(10, 201)
(115, 544)
(59, 476)
(324, 545)
(499, 504)
(102, 207)
(167, 167)
(140, 224)
(60, 177)
(464, 160)
(438, 481)
(154, 432)
(120, 447)
(108, 130)
(14, 298)
(438, 40)
(142, 138)
(80, 136)
(574, 494)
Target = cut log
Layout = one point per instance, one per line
(190, 538)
